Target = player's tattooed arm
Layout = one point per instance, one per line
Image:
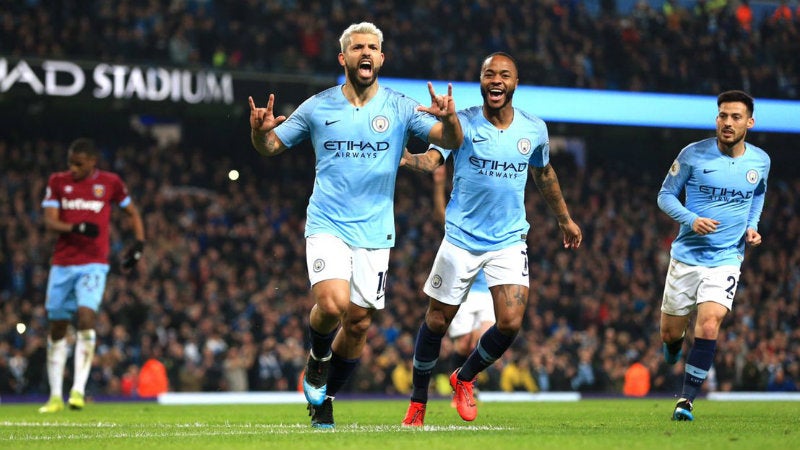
(262, 122)
(266, 144)
(422, 162)
(547, 182)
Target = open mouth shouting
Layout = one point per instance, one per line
(496, 94)
(365, 68)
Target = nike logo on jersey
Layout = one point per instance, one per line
(477, 139)
(709, 170)
(330, 122)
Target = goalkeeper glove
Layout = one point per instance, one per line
(86, 228)
(133, 255)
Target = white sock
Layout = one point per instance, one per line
(84, 354)
(56, 360)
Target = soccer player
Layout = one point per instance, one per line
(476, 314)
(724, 180)
(359, 131)
(485, 228)
(77, 205)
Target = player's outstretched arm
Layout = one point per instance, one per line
(448, 132)
(547, 182)
(262, 122)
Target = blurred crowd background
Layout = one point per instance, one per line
(221, 297)
(633, 45)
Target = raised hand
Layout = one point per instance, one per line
(441, 105)
(263, 120)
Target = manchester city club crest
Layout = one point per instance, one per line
(436, 282)
(380, 124)
(752, 176)
(319, 265)
(524, 146)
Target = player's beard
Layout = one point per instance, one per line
(507, 98)
(352, 75)
(730, 141)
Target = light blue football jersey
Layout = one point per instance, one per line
(486, 210)
(717, 186)
(358, 151)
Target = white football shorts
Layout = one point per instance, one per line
(478, 308)
(454, 269)
(328, 257)
(686, 286)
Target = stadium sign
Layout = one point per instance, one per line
(116, 81)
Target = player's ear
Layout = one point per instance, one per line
(751, 122)
(341, 59)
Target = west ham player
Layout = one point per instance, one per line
(724, 180)
(485, 228)
(358, 131)
(77, 205)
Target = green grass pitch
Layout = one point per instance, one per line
(375, 424)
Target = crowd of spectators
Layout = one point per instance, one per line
(222, 299)
(700, 47)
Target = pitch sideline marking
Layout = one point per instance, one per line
(182, 430)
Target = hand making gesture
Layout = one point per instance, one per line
(263, 120)
(441, 105)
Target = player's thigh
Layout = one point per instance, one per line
(60, 300)
(329, 261)
(90, 285)
(718, 285)
(327, 258)
(508, 266)
(507, 276)
(452, 274)
(370, 270)
(680, 288)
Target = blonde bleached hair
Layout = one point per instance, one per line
(360, 28)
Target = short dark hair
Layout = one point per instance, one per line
(737, 96)
(85, 146)
(505, 55)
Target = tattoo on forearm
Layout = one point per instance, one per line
(547, 182)
(418, 163)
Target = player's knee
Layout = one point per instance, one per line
(669, 335)
(58, 329)
(358, 327)
(330, 306)
(708, 330)
(509, 326)
(437, 321)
